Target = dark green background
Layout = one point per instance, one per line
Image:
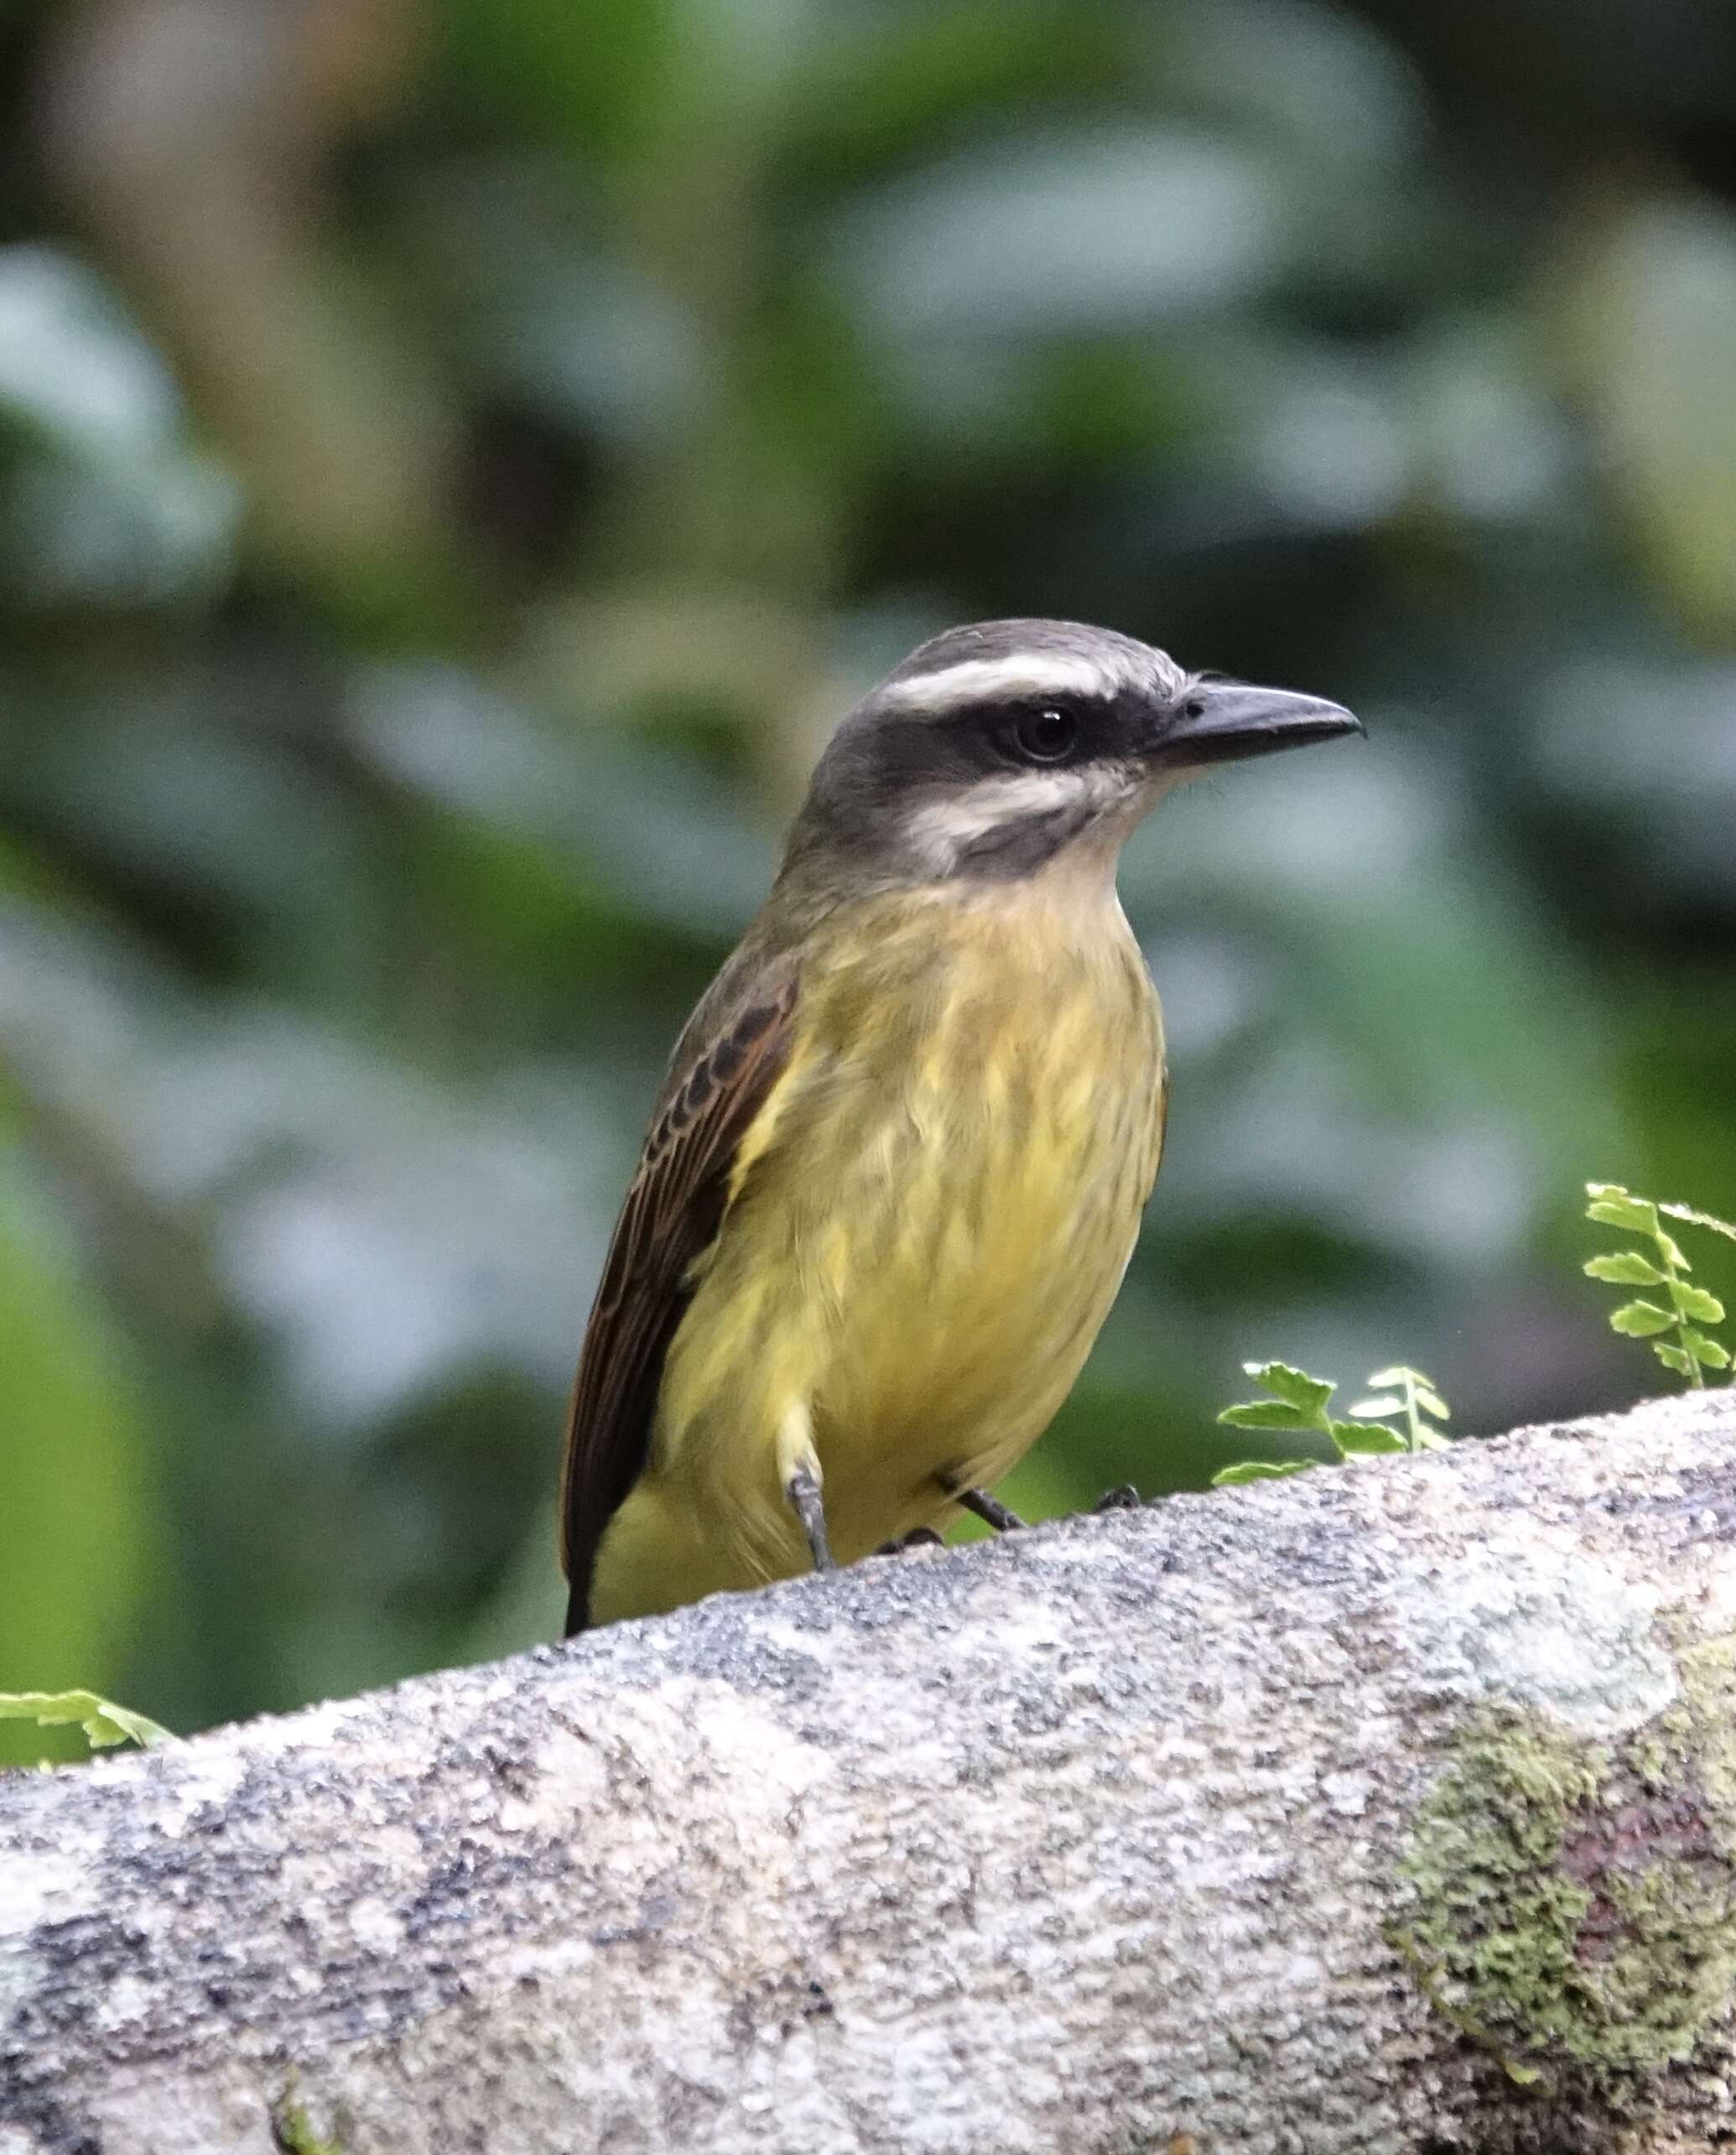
(455, 462)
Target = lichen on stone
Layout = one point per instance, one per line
(1570, 1903)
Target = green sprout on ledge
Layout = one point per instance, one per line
(1683, 1308)
(103, 1722)
(1299, 1404)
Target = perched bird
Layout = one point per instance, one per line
(896, 1169)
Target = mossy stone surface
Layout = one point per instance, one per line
(1572, 1901)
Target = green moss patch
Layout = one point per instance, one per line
(293, 2129)
(1573, 1901)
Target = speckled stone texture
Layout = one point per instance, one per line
(1205, 1827)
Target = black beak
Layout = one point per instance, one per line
(1222, 722)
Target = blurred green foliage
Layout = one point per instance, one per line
(103, 1723)
(454, 464)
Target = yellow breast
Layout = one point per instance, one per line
(929, 1223)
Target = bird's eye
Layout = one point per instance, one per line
(1046, 736)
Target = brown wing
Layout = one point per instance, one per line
(723, 1072)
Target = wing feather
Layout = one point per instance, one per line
(724, 1071)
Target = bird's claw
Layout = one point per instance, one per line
(918, 1537)
(1127, 1498)
(991, 1510)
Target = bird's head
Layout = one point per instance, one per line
(997, 750)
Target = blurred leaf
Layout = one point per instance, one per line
(1417, 1384)
(588, 78)
(1695, 1303)
(1612, 701)
(652, 826)
(1327, 80)
(179, 803)
(1082, 231)
(1257, 1470)
(1264, 1414)
(70, 365)
(1700, 1220)
(1612, 1206)
(553, 320)
(110, 503)
(1294, 1386)
(887, 83)
(75, 1517)
(1710, 1354)
(1650, 315)
(1359, 1439)
(103, 1722)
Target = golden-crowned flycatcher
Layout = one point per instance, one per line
(896, 1168)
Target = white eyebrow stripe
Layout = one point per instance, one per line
(981, 680)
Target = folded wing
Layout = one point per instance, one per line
(724, 1072)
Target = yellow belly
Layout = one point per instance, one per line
(931, 1222)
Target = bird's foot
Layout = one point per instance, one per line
(804, 1490)
(918, 1537)
(1127, 1498)
(991, 1510)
